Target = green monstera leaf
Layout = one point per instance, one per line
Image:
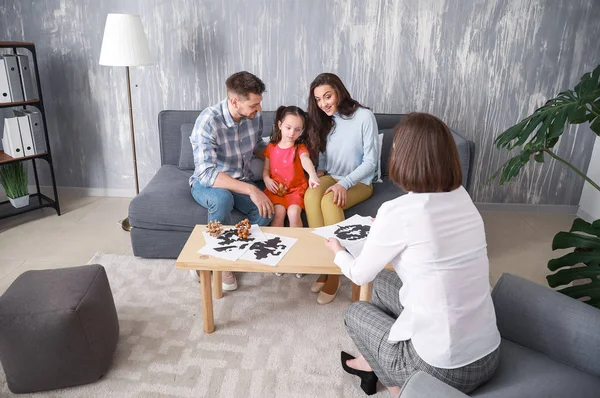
(538, 133)
(582, 265)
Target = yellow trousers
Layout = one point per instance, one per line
(320, 209)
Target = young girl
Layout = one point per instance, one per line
(285, 158)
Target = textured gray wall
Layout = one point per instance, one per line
(479, 65)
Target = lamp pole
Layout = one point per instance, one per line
(125, 223)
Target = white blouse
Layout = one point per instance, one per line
(436, 244)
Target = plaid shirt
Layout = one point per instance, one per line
(222, 145)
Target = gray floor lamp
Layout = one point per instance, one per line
(125, 44)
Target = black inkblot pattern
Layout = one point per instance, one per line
(270, 247)
(352, 232)
(225, 248)
(228, 240)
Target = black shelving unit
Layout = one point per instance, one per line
(37, 200)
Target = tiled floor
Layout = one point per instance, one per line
(517, 242)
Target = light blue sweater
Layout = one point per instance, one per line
(352, 149)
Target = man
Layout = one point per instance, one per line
(224, 139)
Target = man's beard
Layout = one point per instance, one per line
(244, 116)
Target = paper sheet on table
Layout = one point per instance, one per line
(270, 250)
(352, 232)
(228, 245)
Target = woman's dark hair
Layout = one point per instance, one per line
(321, 124)
(280, 114)
(424, 157)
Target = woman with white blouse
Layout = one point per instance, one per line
(435, 312)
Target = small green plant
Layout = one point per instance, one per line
(13, 177)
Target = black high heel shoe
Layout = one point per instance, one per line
(368, 380)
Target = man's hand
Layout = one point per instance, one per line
(339, 194)
(334, 245)
(270, 184)
(264, 205)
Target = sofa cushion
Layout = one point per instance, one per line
(186, 153)
(166, 203)
(377, 177)
(464, 153)
(382, 192)
(526, 373)
(527, 315)
(386, 147)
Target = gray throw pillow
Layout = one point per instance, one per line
(186, 154)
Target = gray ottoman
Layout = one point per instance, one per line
(58, 328)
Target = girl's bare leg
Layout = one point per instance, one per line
(279, 218)
(293, 213)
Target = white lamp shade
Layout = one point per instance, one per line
(124, 42)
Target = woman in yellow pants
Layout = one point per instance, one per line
(345, 134)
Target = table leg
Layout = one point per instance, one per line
(207, 305)
(365, 292)
(217, 284)
(355, 292)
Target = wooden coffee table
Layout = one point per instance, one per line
(309, 255)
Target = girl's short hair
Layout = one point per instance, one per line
(424, 157)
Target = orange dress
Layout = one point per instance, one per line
(288, 170)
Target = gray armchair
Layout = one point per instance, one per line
(550, 347)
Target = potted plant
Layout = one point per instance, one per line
(13, 177)
(534, 137)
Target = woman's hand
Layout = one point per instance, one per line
(339, 194)
(313, 181)
(334, 245)
(270, 184)
(320, 173)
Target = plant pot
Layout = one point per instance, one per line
(19, 202)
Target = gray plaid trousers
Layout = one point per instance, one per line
(369, 325)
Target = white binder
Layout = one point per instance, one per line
(26, 82)
(11, 141)
(14, 79)
(25, 129)
(37, 130)
(4, 86)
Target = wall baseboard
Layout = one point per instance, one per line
(47, 190)
(76, 191)
(526, 208)
(113, 193)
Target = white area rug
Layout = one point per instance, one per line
(272, 339)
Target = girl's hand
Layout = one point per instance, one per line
(313, 181)
(270, 184)
(339, 194)
(334, 245)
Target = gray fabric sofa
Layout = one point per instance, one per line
(164, 213)
(550, 347)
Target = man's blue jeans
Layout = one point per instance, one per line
(219, 202)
